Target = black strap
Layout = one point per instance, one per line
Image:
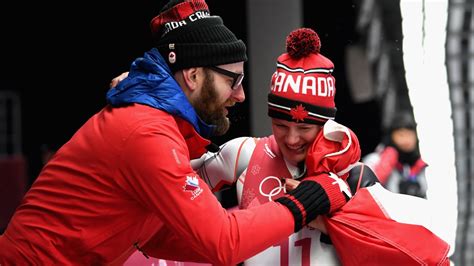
(212, 147)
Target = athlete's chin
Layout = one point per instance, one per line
(294, 158)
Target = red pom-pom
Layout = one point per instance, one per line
(302, 42)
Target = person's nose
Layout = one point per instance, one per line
(239, 94)
(293, 137)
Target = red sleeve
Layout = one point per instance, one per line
(387, 162)
(160, 177)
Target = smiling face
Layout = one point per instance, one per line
(294, 139)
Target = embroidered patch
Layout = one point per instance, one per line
(192, 186)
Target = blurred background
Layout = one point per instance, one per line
(391, 56)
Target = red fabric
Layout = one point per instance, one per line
(196, 143)
(418, 167)
(302, 86)
(118, 185)
(317, 88)
(137, 259)
(360, 231)
(317, 161)
(272, 188)
(265, 170)
(177, 13)
(373, 239)
(386, 164)
(303, 41)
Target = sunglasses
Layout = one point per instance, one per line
(237, 77)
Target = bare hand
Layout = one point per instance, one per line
(291, 184)
(115, 81)
(318, 224)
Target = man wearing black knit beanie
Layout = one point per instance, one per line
(193, 37)
(124, 181)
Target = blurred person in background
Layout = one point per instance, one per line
(397, 161)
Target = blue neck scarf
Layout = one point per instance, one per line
(151, 82)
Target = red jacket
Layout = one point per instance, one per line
(131, 187)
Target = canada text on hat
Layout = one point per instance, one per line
(186, 35)
(179, 15)
(303, 88)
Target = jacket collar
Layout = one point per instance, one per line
(151, 82)
(196, 144)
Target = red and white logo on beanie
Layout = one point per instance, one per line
(179, 15)
(302, 87)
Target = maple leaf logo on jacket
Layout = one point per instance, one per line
(343, 186)
(298, 113)
(192, 184)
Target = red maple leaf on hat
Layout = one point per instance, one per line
(298, 113)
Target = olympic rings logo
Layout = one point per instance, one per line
(275, 190)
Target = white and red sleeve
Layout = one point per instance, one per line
(223, 168)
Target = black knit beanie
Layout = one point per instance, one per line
(187, 36)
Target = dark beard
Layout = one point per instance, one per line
(208, 109)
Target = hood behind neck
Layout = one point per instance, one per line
(151, 82)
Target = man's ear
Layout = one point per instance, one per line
(192, 77)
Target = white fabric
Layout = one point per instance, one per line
(411, 210)
(226, 165)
